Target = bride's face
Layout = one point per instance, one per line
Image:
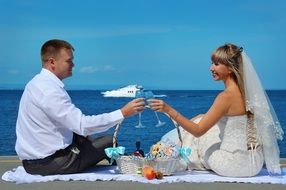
(220, 71)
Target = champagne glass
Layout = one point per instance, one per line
(139, 94)
(160, 123)
(149, 95)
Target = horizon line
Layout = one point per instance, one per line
(100, 89)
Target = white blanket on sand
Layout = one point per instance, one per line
(108, 173)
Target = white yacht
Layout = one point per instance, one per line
(127, 91)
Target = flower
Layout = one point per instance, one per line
(169, 151)
(164, 150)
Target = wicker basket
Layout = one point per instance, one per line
(129, 165)
(166, 167)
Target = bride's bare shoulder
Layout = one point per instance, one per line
(224, 95)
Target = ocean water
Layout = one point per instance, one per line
(189, 103)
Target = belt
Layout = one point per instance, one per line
(70, 148)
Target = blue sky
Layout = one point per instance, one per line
(160, 44)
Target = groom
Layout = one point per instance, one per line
(52, 133)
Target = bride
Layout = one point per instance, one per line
(239, 132)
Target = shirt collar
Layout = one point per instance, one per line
(52, 76)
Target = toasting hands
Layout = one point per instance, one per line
(133, 107)
(159, 105)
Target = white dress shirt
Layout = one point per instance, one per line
(47, 118)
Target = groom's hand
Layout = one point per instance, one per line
(133, 107)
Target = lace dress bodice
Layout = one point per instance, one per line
(233, 157)
(233, 133)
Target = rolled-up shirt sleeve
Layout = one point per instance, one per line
(60, 109)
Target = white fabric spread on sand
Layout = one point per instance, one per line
(110, 173)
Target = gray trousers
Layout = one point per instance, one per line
(82, 154)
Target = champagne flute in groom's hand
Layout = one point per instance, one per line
(139, 94)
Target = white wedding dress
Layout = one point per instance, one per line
(223, 149)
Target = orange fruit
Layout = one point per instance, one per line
(148, 172)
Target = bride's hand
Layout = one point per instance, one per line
(158, 105)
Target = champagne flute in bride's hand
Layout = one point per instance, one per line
(139, 94)
(150, 95)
